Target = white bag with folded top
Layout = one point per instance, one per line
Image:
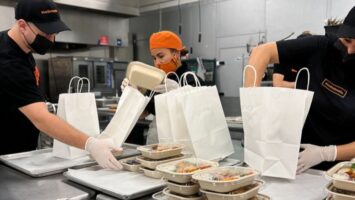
(131, 105)
(80, 111)
(273, 120)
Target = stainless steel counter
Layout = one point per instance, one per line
(16, 185)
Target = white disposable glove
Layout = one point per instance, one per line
(170, 85)
(100, 150)
(124, 84)
(313, 155)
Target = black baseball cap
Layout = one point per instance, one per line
(43, 13)
(347, 29)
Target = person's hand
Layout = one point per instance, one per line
(170, 85)
(313, 155)
(124, 84)
(100, 150)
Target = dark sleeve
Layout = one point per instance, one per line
(151, 106)
(280, 69)
(18, 85)
(298, 52)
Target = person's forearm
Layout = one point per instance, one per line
(62, 131)
(346, 151)
(53, 126)
(260, 57)
(285, 84)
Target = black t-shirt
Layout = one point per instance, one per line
(288, 73)
(18, 88)
(331, 118)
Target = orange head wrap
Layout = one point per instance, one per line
(165, 39)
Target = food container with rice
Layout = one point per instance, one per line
(242, 193)
(181, 171)
(151, 173)
(225, 179)
(340, 194)
(343, 175)
(152, 164)
(173, 196)
(130, 164)
(184, 188)
(160, 151)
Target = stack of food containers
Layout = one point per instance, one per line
(156, 154)
(342, 184)
(179, 178)
(230, 183)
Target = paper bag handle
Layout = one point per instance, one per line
(166, 76)
(70, 82)
(183, 80)
(254, 70)
(81, 82)
(308, 77)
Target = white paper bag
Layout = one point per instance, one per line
(273, 120)
(163, 124)
(206, 124)
(197, 121)
(131, 105)
(80, 111)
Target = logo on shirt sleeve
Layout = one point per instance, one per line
(36, 73)
(333, 88)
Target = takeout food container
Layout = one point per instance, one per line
(151, 173)
(183, 189)
(130, 164)
(260, 197)
(152, 164)
(160, 151)
(337, 173)
(339, 194)
(181, 171)
(173, 196)
(243, 193)
(144, 76)
(225, 179)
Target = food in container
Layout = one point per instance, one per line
(183, 189)
(151, 173)
(260, 197)
(152, 164)
(160, 151)
(243, 193)
(343, 175)
(181, 171)
(225, 179)
(144, 76)
(340, 194)
(173, 196)
(130, 164)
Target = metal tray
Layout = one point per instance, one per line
(41, 163)
(119, 184)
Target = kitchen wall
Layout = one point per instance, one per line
(229, 25)
(87, 27)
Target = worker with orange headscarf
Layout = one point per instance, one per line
(166, 49)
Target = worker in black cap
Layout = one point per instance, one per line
(22, 109)
(329, 130)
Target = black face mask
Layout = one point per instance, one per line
(348, 59)
(40, 45)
